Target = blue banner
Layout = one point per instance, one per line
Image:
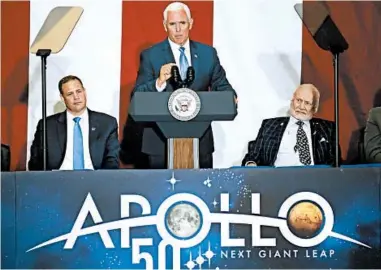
(192, 219)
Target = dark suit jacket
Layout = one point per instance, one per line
(5, 158)
(372, 136)
(131, 145)
(103, 142)
(209, 76)
(264, 149)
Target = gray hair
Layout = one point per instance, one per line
(315, 94)
(176, 6)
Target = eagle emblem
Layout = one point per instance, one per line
(184, 104)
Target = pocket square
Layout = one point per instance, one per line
(323, 140)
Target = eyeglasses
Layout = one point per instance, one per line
(300, 101)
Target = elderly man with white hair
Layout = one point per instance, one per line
(155, 72)
(297, 140)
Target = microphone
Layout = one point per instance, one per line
(190, 77)
(176, 77)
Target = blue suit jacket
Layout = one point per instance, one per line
(209, 76)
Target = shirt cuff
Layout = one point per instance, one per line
(250, 163)
(160, 89)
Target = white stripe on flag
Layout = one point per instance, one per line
(260, 46)
(92, 53)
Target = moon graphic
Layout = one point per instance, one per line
(183, 220)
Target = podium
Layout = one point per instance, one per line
(183, 136)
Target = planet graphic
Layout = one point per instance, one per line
(183, 220)
(305, 219)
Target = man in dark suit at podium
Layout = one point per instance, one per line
(78, 138)
(297, 140)
(155, 71)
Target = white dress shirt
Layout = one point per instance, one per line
(286, 154)
(176, 53)
(67, 163)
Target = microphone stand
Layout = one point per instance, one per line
(328, 37)
(336, 101)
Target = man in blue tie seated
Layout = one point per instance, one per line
(297, 140)
(372, 136)
(155, 72)
(78, 138)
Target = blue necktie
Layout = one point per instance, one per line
(183, 63)
(78, 158)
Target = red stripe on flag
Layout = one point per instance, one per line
(360, 70)
(14, 79)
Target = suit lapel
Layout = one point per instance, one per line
(280, 131)
(283, 123)
(62, 132)
(169, 58)
(277, 129)
(167, 52)
(194, 56)
(93, 133)
(316, 150)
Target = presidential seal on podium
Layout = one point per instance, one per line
(184, 104)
